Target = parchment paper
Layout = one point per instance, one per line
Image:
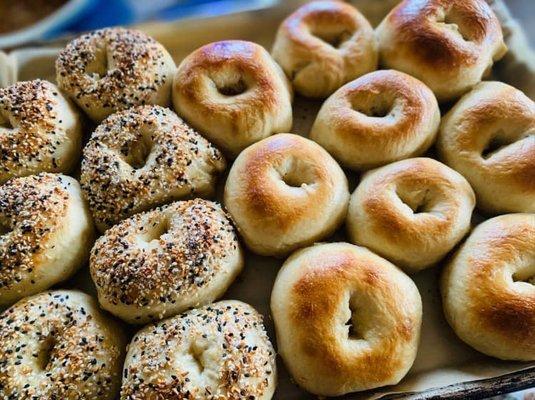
(442, 358)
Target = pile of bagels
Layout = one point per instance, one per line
(116, 168)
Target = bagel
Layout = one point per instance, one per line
(162, 262)
(285, 192)
(323, 45)
(489, 137)
(346, 319)
(450, 45)
(488, 288)
(220, 351)
(233, 93)
(383, 116)
(46, 232)
(113, 69)
(412, 212)
(144, 157)
(40, 130)
(59, 345)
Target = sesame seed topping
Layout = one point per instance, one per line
(164, 261)
(216, 352)
(144, 157)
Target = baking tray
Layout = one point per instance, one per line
(445, 367)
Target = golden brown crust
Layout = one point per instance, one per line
(412, 212)
(489, 137)
(488, 291)
(323, 45)
(448, 44)
(58, 345)
(383, 116)
(113, 69)
(323, 289)
(234, 93)
(284, 192)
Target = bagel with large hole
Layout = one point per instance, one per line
(346, 319)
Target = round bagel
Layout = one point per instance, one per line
(285, 192)
(233, 93)
(447, 44)
(346, 319)
(113, 69)
(144, 157)
(488, 288)
(162, 262)
(323, 45)
(412, 212)
(383, 116)
(489, 137)
(46, 232)
(40, 130)
(220, 351)
(59, 345)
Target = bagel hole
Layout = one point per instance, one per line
(5, 123)
(138, 151)
(451, 20)
(44, 354)
(351, 325)
(157, 229)
(232, 88)
(196, 353)
(417, 201)
(498, 142)
(98, 67)
(334, 38)
(526, 275)
(376, 108)
(296, 173)
(4, 228)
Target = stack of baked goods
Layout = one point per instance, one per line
(404, 108)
